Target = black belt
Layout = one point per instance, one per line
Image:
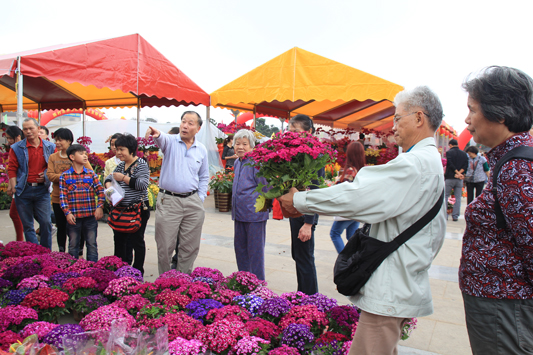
(166, 192)
(35, 183)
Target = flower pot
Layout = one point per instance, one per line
(224, 202)
(216, 198)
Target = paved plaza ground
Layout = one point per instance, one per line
(443, 332)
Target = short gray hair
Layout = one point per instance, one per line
(29, 119)
(503, 93)
(427, 100)
(245, 133)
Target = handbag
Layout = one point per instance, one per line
(363, 254)
(125, 219)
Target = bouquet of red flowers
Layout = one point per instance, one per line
(288, 160)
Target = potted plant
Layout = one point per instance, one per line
(224, 191)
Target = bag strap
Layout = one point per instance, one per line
(520, 152)
(421, 223)
(415, 228)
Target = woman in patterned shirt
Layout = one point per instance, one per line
(496, 270)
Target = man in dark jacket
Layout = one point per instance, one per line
(456, 166)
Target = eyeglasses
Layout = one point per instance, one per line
(397, 118)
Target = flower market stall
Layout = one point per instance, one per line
(77, 77)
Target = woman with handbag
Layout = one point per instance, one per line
(355, 160)
(133, 175)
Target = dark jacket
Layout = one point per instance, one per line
(456, 159)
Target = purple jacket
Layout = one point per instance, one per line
(243, 195)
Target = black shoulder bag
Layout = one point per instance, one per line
(363, 254)
(520, 152)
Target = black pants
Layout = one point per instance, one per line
(135, 241)
(61, 224)
(470, 186)
(303, 253)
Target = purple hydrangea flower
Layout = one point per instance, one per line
(322, 302)
(199, 309)
(275, 307)
(14, 297)
(56, 335)
(129, 271)
(60, 278)
(250, 302)
(297, 336)
(22, 271)
(5, 283)
(334, 348)
(207, 280)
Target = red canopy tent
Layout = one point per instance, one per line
(118, 72)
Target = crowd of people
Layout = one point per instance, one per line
(496, 271)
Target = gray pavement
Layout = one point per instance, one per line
(443, 332)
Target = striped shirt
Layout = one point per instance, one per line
(77, 192)
(136, 190)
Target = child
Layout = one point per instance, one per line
(77, 189)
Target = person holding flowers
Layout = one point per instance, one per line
(303, 227)
(392, 197)
(250, 226)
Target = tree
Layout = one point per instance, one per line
(262, 127)
(149, 119)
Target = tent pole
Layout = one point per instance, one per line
(255, 111)
(83, 117)
(39, 113)
(138, 116)
(208, 114)
(20, 90)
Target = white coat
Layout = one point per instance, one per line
(392, 197)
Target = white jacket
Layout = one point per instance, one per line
(392, 197)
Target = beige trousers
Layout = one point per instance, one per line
(181, 217)
(376, 335)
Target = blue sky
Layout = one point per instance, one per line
(435, 43)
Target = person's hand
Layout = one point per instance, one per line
(71, 219)
(10, 190)
(40, 179)
(99, 213)
(151, 131)
(118, 176)
(286, 202)
(305, 232)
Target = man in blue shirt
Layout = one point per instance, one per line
(183, 188)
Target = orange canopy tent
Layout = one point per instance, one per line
(301, 82)
(118, 72)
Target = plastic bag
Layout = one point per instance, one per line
(115, 193)
(117, 341)
(31, 346)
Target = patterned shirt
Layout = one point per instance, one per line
(77, 193)
(498, 263)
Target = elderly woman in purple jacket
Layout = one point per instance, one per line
(250, 226)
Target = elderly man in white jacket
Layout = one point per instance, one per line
(392, 197)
